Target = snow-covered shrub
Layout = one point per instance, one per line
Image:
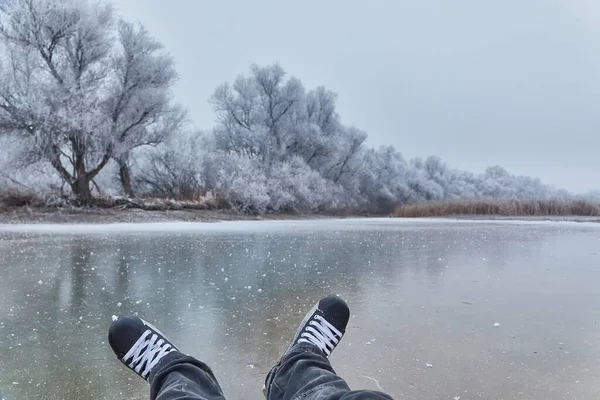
(174, 168)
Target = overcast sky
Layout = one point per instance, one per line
(478, 83)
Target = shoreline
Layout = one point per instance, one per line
(69, 216)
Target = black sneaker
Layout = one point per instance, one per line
(324, 325)
(138, 344)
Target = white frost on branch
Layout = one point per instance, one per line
(82, 86)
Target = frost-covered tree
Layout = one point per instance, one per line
(82, 87)
(257, 114)
(593, 195)
(270, 117)
(82, 92)
(316, 126)
(175, 168)
(321, 111)
(344, 156)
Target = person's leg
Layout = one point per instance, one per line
(178, 376)
(304, 371)
(147, 352)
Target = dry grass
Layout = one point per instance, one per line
(13, 197)
(509, 208)
(152, 203)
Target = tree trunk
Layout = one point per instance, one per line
(125, 177)
(81, 188)
(80, 185)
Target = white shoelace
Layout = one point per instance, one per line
(146, 353)
(322, 334)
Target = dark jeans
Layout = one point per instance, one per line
(304, 373)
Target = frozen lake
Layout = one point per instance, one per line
(425, 296)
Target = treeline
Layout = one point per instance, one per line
(86, 110)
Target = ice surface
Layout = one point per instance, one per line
(232, 294)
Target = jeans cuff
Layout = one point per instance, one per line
(296, 349)
(302, 347)
(164, 362)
